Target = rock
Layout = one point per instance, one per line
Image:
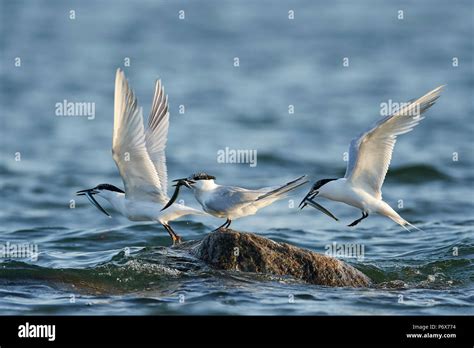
(247, 252)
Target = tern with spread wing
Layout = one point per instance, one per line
(231, 202)
(139, 154)
(369, 159)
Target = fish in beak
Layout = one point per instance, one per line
(308, 200)
(89, 194)
(179, 182)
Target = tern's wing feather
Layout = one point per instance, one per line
(371, 152)
(226, 198)
(229, 197)
(129, 147)
(157, 134)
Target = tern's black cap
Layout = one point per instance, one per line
(202, 176)
(321, 182)
(109, 187)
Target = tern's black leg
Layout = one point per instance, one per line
(174, 236)
(364, 215)
(223, 226)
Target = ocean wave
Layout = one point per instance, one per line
(154, 268)
(144, 269)
(417, 173)
(441, 274)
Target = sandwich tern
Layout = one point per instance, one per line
(369, 159)
(139, 154)
(231, 202)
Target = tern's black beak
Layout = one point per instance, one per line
(88, 193)
(84, 192)
(308, 200)
(311, 194)
(179, 182)
(184, 182)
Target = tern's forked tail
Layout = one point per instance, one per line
(386, 210)
(402, 222)
(282, 190)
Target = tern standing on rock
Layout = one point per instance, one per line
(231, 202)
(140, 158)
(369, 159)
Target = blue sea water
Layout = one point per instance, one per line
(89, 264)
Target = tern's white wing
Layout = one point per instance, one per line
(371, 152)
(129, 147)
(157, 134)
